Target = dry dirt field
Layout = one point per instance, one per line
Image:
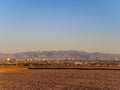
(60, 80)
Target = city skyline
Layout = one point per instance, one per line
(86, 25)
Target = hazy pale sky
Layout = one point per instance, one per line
(87, 25)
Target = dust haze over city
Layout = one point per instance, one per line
(57, 41)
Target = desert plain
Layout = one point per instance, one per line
(53, 79)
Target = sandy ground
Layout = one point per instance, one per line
(60, 80)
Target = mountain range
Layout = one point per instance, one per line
(70, 54)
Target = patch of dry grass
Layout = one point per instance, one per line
(11, 69)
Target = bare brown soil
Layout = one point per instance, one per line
(60, 80)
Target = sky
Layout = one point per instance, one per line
(86, 25)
